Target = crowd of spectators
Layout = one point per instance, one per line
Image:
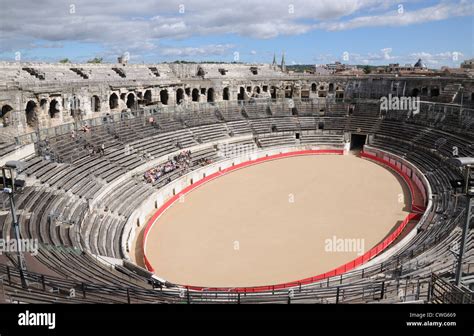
(181, 162)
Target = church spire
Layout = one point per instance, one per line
(274, 63)
(283, 65)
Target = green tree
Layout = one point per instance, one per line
(367, 69)
(95, 60)
(64, 60)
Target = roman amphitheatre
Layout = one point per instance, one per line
(232, 183)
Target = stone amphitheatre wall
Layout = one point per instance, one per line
(45, 95)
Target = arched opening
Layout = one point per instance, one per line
(195, 95)
(210, 95)
(331, 87)
(179, 96)
(147, 97)
(415, 92)
(225, 94)
(95, 104)
(424, 91)
(201, 72)
(113, 101)
(31, 117)
(273, 92)
(257, 89)
(313, 87)
(131, 101)
(5, 115)
(43, 103)
(435, 91)
(288, 92)
(53, 108)
(241, 94)
(164, 97)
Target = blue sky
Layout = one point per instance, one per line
(309, 32)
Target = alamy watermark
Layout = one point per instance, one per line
(19, 245)
(335, 244)
(410, 104)
(235, 150)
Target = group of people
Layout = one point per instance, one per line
(95, 149)
(181, 161)
(204, 161)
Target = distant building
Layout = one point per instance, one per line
(419, 67)
(334, 68)
(468, 64)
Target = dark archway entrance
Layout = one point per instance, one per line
(31, 117)
(147, 97)
(5, 115)
(179, 96)
(210, 95)
(195, 95)
(131, 101)
(113, 101)
(164, 97)
(241, 94)
(225, 94)
(95, 104)
(53, 108)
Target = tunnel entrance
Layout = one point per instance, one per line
(358, 141)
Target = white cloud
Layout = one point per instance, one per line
(213, 49)
(132, 26)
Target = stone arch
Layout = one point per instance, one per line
(195, 95)
(31, 116)
(415, 92)
(147, 97)
(179, 96)
(226, 94)
(331, 87)
(131, 100)
(257, 89)
(241, 95)
(54, 108)
(95, 103)
(164, 97)
(210, 95)
(113, 101)
(201, 72)
(273, 92)
(43, 103)
(434, 91)
(314, 87)
(5, 115)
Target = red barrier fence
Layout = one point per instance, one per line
(337, 271)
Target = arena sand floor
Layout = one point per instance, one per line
(277, 221)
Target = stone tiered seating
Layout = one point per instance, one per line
(261, 125)
(365, 118)
(55, 208)
(255, 111)
(276, 140)
(239, 127)
(286, 124)
(232, 112)
(210, 133)
(333, 140)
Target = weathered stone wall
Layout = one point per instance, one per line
(47, 95)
